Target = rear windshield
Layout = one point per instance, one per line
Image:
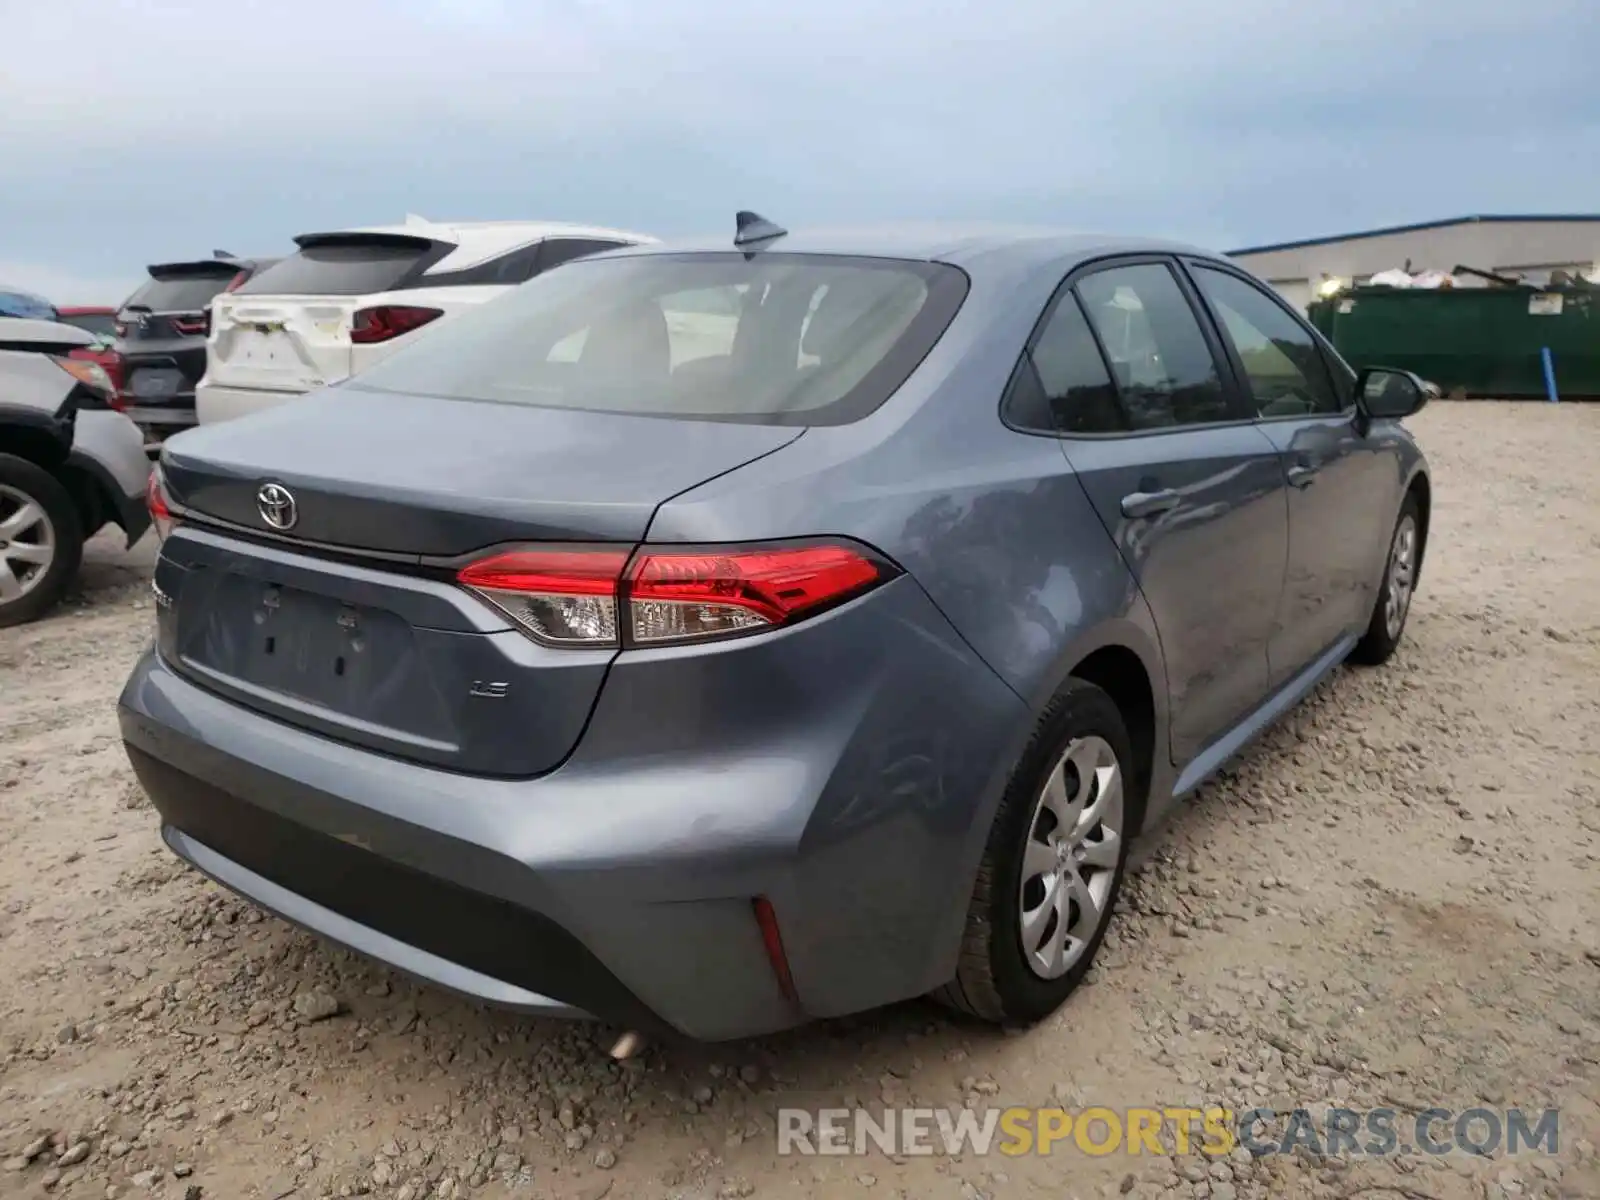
(778, 339)
(339, 269)
(180, 293)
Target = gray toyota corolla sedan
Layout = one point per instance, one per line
(711, 638)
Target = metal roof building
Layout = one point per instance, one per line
(1525, 245)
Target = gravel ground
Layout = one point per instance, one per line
(1390, 901)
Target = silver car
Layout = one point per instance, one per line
(69, 463)
(714, 637)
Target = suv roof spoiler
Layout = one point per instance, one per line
(200, 266)
(364, 237)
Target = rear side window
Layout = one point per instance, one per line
(1073, 389)
(180, 293)
(341, 269)
(555, 251)
(782, 339)
(1163, 367)
(517, 266)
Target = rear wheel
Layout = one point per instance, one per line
(1054, 863)
(41, 540)
(1393, 604)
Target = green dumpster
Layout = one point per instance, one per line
(1473, 341)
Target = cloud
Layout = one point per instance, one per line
(177, 126)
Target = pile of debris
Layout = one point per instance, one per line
(1464, 276)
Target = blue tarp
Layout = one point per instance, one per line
(15, 303)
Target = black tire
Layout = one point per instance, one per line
(47, 492)
(993, 979)
(1378, 643)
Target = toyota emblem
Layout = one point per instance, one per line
(276, 505)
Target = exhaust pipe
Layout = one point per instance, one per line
(627, 1046)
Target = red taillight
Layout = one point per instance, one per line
(564, 597)
(236, 281)
(677, 596)
(113, 364)
(388, 321)
(155, 498)
(594, 596)
(190, 325)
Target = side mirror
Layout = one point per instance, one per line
(1389, 393)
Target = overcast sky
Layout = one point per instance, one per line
(138, 131)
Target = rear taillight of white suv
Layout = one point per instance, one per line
(385, 321)
(599, 596)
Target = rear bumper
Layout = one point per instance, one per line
(213, 403)
(166, 418)
(621, 885)
(319, 919)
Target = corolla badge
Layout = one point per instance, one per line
(276, 505)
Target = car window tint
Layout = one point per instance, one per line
(188, 292)
(555, 251)
(518, 266)
(776, 338)
(333, 268)
(1076, 385)
(1164, 370)
(1284, 367)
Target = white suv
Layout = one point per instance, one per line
(351, 297)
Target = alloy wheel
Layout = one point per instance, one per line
(27, 544)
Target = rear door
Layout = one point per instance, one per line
(1343, 490)
(288, 328)
(1187, 487)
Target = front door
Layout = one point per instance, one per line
(1186, 485)
(1342, 490)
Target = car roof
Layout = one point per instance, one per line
(972, 246)
(478, 241)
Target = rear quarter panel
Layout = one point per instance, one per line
(990, 523)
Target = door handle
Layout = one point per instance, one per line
(1149, 504)
(1302, 475)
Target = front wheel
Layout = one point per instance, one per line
(1393, 604)
(1054, 863)
(41, 540)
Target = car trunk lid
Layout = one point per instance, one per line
(425, 477)
(348, 624)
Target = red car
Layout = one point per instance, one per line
(102, 322)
